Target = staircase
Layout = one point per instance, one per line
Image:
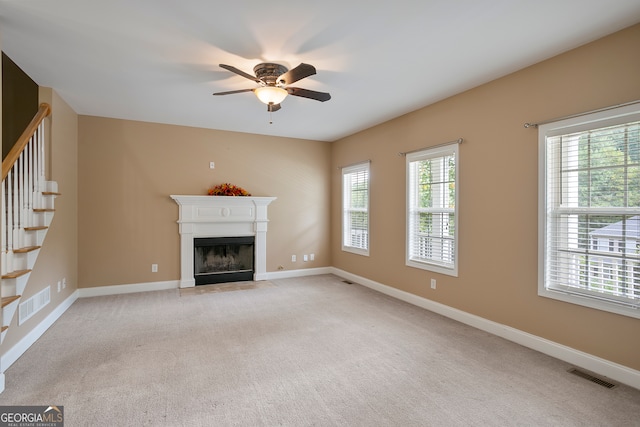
(27, 210)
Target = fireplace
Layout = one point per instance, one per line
(223, 259)
(209, 217)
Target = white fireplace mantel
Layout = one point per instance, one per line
(221, 216)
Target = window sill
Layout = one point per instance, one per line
(590, 302)
(433, 267)
(357, 251)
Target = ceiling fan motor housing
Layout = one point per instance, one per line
(269, 72)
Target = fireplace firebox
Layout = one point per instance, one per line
(223, 259)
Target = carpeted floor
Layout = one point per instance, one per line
(310, 351)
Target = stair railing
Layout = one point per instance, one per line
(23, 180)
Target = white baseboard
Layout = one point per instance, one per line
(128, 289)
(23, 345)
(287, 274)
(612, 370)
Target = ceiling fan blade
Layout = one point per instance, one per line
(240, 73)
(297, 73)
(233, 91)
(273, 107)
(311, 94)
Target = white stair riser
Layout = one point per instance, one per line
(9, 287)
(44, 202)
(48, 216)
(7, 263)
(25, 261)
(8, 312)
(51, 186)
(21, 283)
(35, 237)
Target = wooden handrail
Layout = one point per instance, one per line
(13, 155)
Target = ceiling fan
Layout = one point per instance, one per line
(274, 81)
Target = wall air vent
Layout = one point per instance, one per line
(34, 304)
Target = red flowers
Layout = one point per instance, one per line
(227, 189)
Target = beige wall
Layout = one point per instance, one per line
(57, 259)
(127, 170)
(498, 194)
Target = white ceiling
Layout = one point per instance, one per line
(157, 60)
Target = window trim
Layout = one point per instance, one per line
(595, 120)
(431, 153)
(347, 170)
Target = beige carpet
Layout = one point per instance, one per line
(311, 351)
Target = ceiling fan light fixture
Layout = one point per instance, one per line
(271, 94)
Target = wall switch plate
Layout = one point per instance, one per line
(293, 258)
(64, 282)
(154, 268)
(212, 165)
(312, 257)
(433, 283)
(59, 285)
(305, 258)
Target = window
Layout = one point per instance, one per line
(355, 209)
(432, 220)
(590, 192)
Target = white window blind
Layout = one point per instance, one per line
(355, 208)
(432, 219)
(590, 211)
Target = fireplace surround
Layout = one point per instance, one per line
(221, 216)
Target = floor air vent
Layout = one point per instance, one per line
(591, 378)
(33, 305)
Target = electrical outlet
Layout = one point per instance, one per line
(212, 165)
(64, 282)
(433, 283)
(305, 257)
(154, 268)
(312, 257)
(293, 258)
(59, 285)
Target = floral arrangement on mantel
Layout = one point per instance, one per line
(227, 189)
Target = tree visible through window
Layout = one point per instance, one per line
(431, 209)
(591, 235)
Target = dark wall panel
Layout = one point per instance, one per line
(19, 102)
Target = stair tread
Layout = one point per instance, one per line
(39, 227)
(26, 249)
(4, 328)
(51, 193)
(8, 300)
(15, 274)
(43, 210)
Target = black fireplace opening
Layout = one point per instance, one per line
(223, 259)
